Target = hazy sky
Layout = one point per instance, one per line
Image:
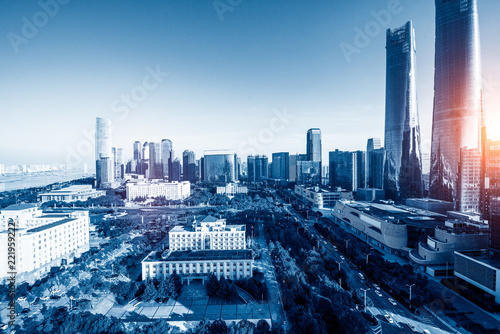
(232, 72)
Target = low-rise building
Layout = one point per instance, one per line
(156, 188)
(72, 194)
(481, 269)
(430, 204)
(321, 198)
(42, 240)
(231, 189)
(370, 194)
(207, 247)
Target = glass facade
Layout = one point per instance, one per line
(343, 170)
(103, 151)
(403, 162)
(313, 149)
(457, 113)
(219, 167)
(167, 158)
(280, 166)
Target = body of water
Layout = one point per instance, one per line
(14, 182)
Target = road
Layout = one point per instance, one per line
(376, 305)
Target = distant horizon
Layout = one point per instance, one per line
(253, 79)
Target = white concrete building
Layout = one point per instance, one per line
(210, 233)
(72, 194)
(321, 198)
(207, 247)
(42, 240)
(231, 189)
(151, 189)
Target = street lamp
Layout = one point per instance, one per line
(339, 263)
(410, 285)
(365, 295)
(367, 255)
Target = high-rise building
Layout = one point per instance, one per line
(137, 156)
(403, 162)
(118, 163)
(343, 170)
(457, 116)
(491, 205)
(313, 149)
(167, 158)
(103, 153)
(189, 166)
(251, 173)
(239, 168)
(261, 168)
(218, 166)
(176, 170)
(360, 169)
(155, 167)
(292, 170)
(469, 180)
(280, 166)
(308, 173)
(374, 164)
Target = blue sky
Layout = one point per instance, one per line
(227, 79)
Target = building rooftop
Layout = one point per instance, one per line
(19, 207)
(70, 189)
(200, 255)
(51, 225)
(489, 257)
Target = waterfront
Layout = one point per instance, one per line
(14, 182)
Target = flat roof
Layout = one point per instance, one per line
(51, 225)
(428, 200)
(484, 256)
(18, 207)
(201, 255)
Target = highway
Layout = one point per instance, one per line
(379, 306)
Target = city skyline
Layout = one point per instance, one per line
(318, 84)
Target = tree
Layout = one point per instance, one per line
(262, 327)
(218, 327)
(150, 292)
(212, 286)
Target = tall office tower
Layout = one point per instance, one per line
(491, 207)
(294, 159)
(261, 168)
(218, 166)
(469, 180)
(251, 172)
(198, 170)
(188, 166)
(118, 163)
(103, 151)
(403, 163)
(376, 168)
(313, 149)
(308, 173)
(202, 169)
(239, 168)
(280, 166)
(167, 158)
(360, 169)
(343, 170)
(371, 144)
(176, 170)
(137, 156)
(145, 160)
(457, 113)
(155, 167)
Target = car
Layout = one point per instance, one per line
(335, 248)
(410, 327)
(55, 297)
(392, 301)
(389, 319)
(426, 331)
(25, 310)
(361, 276)
(21, 298)
(3, 326)
(376, 286)
(342, 258)
(45, 298)
(378, 293)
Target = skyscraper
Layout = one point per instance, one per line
(457, 116)
(403, 162)
(280, 166)
(251, 168)
(103, 152)
(188, 166)
(374, 164)
(344, 170)
(137, 156)
(155, 167)
(313, 149)
(167, 158)
(218, 166)
(118, 163)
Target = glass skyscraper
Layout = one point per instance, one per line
(457, 116)
(313, 149)
(219, 166)
(167, 158)
(403, 163)
(103, 152)
(280, 166)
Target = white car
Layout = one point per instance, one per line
(392, 301)
(45, 298)
(21, 298)
(342, 258)
(378, 293)
(376, 286)
(389, 319)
